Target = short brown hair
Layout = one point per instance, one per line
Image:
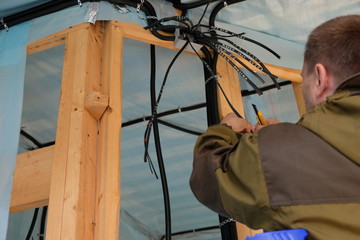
(335, 44)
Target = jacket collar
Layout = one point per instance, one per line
(352, 84)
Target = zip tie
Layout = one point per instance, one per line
(4, 24)
(79, 2)
(225, 4)
(139, 5)
(179, 109)
(212, 77)
(229, 220)
(148, 17)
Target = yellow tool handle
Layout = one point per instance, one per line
(260, 118)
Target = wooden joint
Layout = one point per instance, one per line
(96, 104)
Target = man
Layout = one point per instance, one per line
(303, 175)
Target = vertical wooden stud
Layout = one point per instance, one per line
(72, 191)
(230, 83)
(108, 167)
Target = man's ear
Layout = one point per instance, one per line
(323, 82)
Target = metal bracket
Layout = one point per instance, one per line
(4, 24)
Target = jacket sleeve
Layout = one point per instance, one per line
(227, 176)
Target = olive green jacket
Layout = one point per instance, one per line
(288, 176)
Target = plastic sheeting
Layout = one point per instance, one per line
(12, 68)
(291, 20)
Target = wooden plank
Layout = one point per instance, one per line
(285, 73)
(31, 184)
(230, 83)
(53, 40)
(72, 193)
(108, 166)
(299, 98)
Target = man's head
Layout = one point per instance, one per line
(331, 55)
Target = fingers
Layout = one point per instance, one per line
(269, 121)
(236, 123)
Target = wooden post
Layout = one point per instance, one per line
(230, 83)
(299, 98)
(73, 181)
(108, 167)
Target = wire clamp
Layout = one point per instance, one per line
(212, 77)
(4, 24)
(139, 5)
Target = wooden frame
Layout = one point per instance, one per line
(85, 160)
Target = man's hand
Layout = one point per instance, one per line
(237, 124)
(269, 121)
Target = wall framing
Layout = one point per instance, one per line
(86, 156)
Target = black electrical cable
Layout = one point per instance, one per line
(210, 90)
(165, 113)
(187, 6)
(228, 231)
(43, 223)
(31, 138)
(212, 76)
(32, 225)
(38, 11)
(165, 123)
(245, 93)
(35, 141)
(164, 184)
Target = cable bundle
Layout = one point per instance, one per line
(218, 40)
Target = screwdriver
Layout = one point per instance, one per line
(259, 116)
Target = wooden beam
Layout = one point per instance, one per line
(31, 184)
(53, 40)
(230, 83)
(299, 98)
(108, 165)
(73, 181)
(136, 32)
